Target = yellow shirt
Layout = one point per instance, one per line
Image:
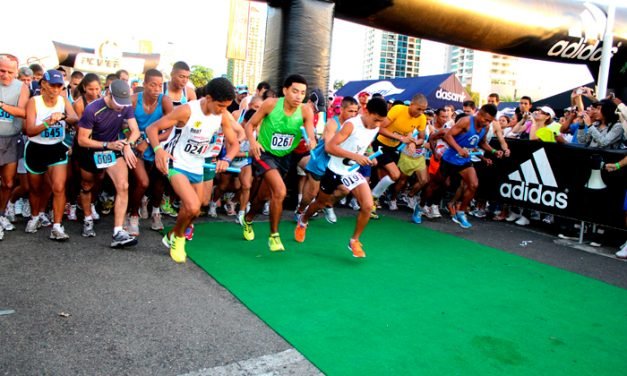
(402, 123)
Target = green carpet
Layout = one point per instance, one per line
(421, 303)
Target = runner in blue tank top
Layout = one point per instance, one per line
(468, 133)
(150, 106)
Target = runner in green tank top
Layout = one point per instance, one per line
(278, 123)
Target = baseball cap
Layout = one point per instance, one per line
(548, 110)
(53, 77)
(242, 89)
(317, 99)
(121, 93)
(363, 93)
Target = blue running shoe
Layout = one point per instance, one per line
(460, 219)
(416, 217)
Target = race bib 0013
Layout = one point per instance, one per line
(104, 159)
(353, 180)
(282, 141)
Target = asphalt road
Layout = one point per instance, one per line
(82, 308)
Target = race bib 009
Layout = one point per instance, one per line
(282, 141)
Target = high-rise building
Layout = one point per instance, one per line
(246, 38)
(390, 55)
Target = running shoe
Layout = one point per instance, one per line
(247, 229)
(10, 211)
(461, 220)
(167, 239)
(143, 210)
(189, 232)
(229, 208)
(58, 233)
(373, 212)
(266, 208)
(133, 225)
(156, 223)
(213, 209)
(1, 233)
(412, 201)
(329, 215)
(44, 221)
(512, 216)
(166, 207)
(6, 224)
(428, 211)
(623, 252)
(88, 229)
(71, 214)
(416, 216)
(26, 212)
(177, 250)
(19, 205)
(122, 239)
(522, 221)
(275, 244)
(239, 218)
(435, 210)
(548, 219)
(354, 204)
(377, 203)
(535, 215)
(300, 232)
(94, 213)
(32, 225)
(392, 205)
(297, 215)
(357, 248)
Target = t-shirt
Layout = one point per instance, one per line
(402, 123)
(104, 122)
(548, 133)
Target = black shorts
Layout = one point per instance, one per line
(267, 162)
(38, 157)
(449, 169)
(390, 154)
(86, 159)
(330, 181)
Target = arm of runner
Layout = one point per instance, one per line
(191, 94)
(232, 143)
(129, 156)
(255, 122)
(70, 115)
(308, 116)
(333, 147)
(459, 127)
(178, 118)
(329, 131)
(30, 128)
(20, 109)
(486, 146)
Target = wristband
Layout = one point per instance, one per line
(493, 151)
(617, 166)
(227, 160)
(246, 154)
(156, 148)
(46, 125)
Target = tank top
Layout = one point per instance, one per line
(358, 142)
(55, 132)
(181, 101)
(279, 134)
(468, 140)
(191, 144)
(144, 120)
(10, 94)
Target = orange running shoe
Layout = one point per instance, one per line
(300, 231)
(356, 247)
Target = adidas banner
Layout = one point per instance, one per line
(563, 180)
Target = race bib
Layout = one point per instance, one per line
(54, 132)
(353, 180)
(104, 159)
(282, 141)
(5, 116)
(196, 149)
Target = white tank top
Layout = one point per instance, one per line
(55, 132)
(192, 144)
(357, 142)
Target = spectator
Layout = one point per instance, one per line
(604, 132)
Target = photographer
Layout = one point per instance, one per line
(603, 128)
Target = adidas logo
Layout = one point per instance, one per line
(589, 28)
(536, 185)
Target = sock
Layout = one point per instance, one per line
(89, 218)
(155, 210)
(382, 186)
(300, 198)
(56, 226)
(240, 213)
(41, 214)
(117, 229)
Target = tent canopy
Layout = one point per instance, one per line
(440, 90)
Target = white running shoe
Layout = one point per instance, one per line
(19, 205)
(133, 225)
(88, 229)
(212, 209)
(94, 213)
(143, 210)
(435, 211)
(44, 221)
(354, 204)
(1, 233)
(156, 224)
(71, 215)
(10, 211)
(392, 205)
(412, 201)
(512, 216)
(428, 211)
(32, 225)
(623, 252)
(58, 234)
(6, 224)
(266, 208)
(522, 221)
(26, 212)
(329, 215)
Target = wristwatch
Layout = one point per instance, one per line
(104, 145)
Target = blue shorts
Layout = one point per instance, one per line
(193, 178)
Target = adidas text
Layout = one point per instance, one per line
(579, 50)
(522, 192)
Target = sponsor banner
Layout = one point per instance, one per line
(564, 180)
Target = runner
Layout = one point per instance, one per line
(183, 158)
(350, 143)
(100, 151)
(279, 122)
(46, 152)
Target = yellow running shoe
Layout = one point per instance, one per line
(356, 247)
(177, 249)
(373, 212)
(247, 230)
(274, 242)
(300, 231)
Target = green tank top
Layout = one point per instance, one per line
(280, 134)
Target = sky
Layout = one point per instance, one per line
(168, 28)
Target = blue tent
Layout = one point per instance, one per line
(440, 90)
